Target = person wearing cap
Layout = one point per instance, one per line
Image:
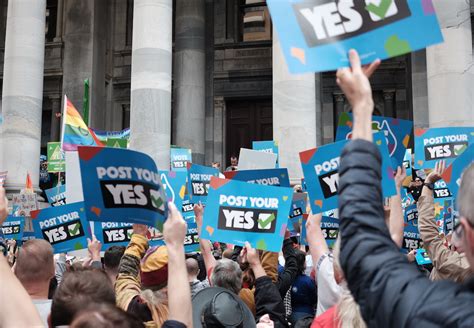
(447, 263)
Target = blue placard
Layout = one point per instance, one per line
(316, 35)
(330, 229)
(122, 184)
(113, 233)
(320, 168)
(432, 145)
(422, 257)
(411, 235)
(268, 177)
(56, 195)
(397, 134)
(191, 241)
(174, 184)
(179, 158)
(199, 178)
(442, 205)
(297, 210)
(407, 162)
(453, 172)
(268, 147)
(64, 227)
(13, 227)
(239, 211)
(388, 175)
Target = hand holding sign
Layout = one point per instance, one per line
(140, 229)
(400, 177)
(94, 246)
(175, 228)
(437, 172)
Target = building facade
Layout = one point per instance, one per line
(212, 74)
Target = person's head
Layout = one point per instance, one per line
(227, 274)
(35, 267)
(79, 289)
(216, 165)
(105, 316)
(300, 261)
(154, 268)
(234, 161)
(112, 257)
(193, 268)
(465, 229)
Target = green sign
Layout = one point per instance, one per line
(56, 161)
(116, 143)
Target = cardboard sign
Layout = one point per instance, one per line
(267, 177)
(330, 229)
(253, 160)
(13, 227)
(174, 184)
(303, 234)
(56, 159)
(64, 227)
(122, 184)
(56, 195)
(452, 174)
(266, 147)
(297, 210)
(388, 175)
(179, 159)
(320, 168)
(422, 257)
(316, 35)
(199, 178)
(397, 134)
(411, 235)
(113, 233)
(25, 203)
(432, 145)
(239, 212)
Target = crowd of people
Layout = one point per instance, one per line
(363, 281)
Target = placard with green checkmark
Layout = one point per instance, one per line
(316, 35)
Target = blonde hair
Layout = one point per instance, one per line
(347, 310)
(157, 302)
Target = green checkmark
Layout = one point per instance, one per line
(129, 234)
(380, 10)
(157, 202)
(333, 233)
(16, 230)
(264, 223)
(74, 229)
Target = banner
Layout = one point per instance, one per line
(179, 157)
(122, 184)
(397, 133)
(432, 145)
(452, 174)
(316, 35)
(24, 203)
(64, 227)
(268, 177)
(56, 195)
(266, 147)
(56, 159)
(13, 227)
(103, 136)
(253, 160)
(411, 235)
(174, 184)
(116, 143)
(199, 178)
(113, 233)
(238, 211)
(297, 209)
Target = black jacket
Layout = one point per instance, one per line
(268, 301)
(290, 272)
(390, 292)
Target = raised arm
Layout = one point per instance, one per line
(179, 293)
(204, 244)
(316, 242)
(450, 264)
(396, 223)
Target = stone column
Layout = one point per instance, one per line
(294, 112)
(450, 67)
(189, 78)
(419, 89)
(22, 97)
(55, 120)
(150, 112)
(59, 22)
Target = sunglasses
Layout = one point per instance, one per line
(458, 227)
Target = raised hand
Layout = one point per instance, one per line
(175, 228)
(437, 172)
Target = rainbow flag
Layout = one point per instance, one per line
(75, 132)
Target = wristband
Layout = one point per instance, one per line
(430, 186)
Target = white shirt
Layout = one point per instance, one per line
(329, 291)
(44, 308)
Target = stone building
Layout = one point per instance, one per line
(201, 74)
